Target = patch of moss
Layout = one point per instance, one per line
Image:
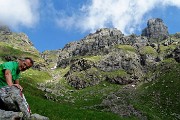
(116, 73)
(148, 50)
(93, 58)
(126, 48)
(166, 49)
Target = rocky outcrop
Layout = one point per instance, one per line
(93, 44)
(175, 54)
(119, 66)
(156, 29)
(5, 30)
(122, 60)
(109, 43)
(82, 74)
(51, 57)
(177, 35)
(98, 43)
(18, 41)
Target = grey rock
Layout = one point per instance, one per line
(10, 115)
(93, 44)
(5, 29)
(13, 100)
(156, 30)
(37, 117)
(82, 74)
(177, 35)
(120, 59)
(175, 54)
(13, 104)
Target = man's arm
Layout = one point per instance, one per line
(8, 77)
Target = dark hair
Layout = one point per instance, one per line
(31, 61)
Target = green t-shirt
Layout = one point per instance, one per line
(13, 67)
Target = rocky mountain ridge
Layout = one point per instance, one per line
(119, 59)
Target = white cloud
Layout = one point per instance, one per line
(126, 15)
(15, 13)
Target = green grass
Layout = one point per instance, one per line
(94, 95)
(93, 58)
(56, 111)
(126, 48)
(62, 71)
(166, 49)
(159, 99)
(35, 76)
(67, 110)
(8, 50)
(148, 50)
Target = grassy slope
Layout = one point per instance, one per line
(65, 110)
(159, 99)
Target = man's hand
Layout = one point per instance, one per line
(8, 77)
(18, 86)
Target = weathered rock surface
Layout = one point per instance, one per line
(13, 105)
(177, 35)
(10, 115)
(113, 47)
(156, 29)
(93, 44)
(5, 29)
(175, 54)
(82, 74)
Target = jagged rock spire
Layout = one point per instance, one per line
(156, 29)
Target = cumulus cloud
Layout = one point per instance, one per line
(15, 13)
(126, 15)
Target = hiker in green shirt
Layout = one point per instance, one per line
(10, 72)
(13, 104)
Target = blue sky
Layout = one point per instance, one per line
(50, 24)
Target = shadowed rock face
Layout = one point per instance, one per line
(156, 29)
(175, 54)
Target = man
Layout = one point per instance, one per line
(11, 98)
(10, 72)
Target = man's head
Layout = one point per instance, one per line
(25, 64)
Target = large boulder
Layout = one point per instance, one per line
(13, 105)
